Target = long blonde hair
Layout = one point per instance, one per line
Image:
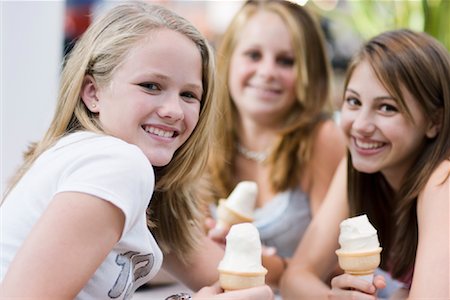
(99, 52)
(293, 148)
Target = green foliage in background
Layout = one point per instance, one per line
(437, 19)
(370, 17)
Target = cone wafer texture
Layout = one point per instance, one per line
(231, 281)
(359, 263)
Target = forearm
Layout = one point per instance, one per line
(275, 266)
(300, 284)
(202, 267)
(52, 260)
(400, 294)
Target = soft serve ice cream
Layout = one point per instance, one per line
(241, 265)
(357, 234)
(243, 250)
(239, 205)
(359, 254)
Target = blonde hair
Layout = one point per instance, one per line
(99, 52)
(293, 148)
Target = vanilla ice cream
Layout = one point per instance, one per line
(239, 206)
(358, 235)
(243, 249)
(360, 250)
(241, 266)
(242, 198)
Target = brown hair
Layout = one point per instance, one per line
(293, 148)
(421, 65)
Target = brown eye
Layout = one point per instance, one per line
(352, 101)
(388, 108)
(286, 61)
(254, 55)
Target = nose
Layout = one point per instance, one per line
(171, 108)
(363, 123)
(267, 67)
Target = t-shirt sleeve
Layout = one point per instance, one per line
(119, 173)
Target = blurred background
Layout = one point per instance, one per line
(35, 35)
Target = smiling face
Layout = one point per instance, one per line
(262, 75)
(380, 137)
(153, 99)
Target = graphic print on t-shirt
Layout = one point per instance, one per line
(135, 265)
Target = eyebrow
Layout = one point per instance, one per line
(379, 98)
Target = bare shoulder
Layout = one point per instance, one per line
(329, 133)
(328, 151)
(443, 170)
(433, 237)
(329, 142)
(440, 178)
(437, 187)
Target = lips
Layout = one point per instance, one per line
(264, 93)
(266, 89)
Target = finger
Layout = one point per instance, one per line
(379, 282)
(255, 293)
(268, 251)
(217, 286)
(338, 294)
(210, 223)
(347, 282)
(217, 234)
(208, 291)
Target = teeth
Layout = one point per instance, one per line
(159, 132)
(364, 145)
(268, 90)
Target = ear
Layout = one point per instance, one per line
(434, 126)
(89, 94)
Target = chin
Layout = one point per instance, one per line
(365, 169)
(162, 162)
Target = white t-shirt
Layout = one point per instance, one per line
(108, 168)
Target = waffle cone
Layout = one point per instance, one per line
(227, 217)
(359, 263)
(231, 281)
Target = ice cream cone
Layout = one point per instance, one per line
(241, 266)
(231, 281)
(362, 264)
(226, 216)
(239, 206)
(360, 250)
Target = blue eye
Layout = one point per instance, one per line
(190, 96)
(150, 86)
